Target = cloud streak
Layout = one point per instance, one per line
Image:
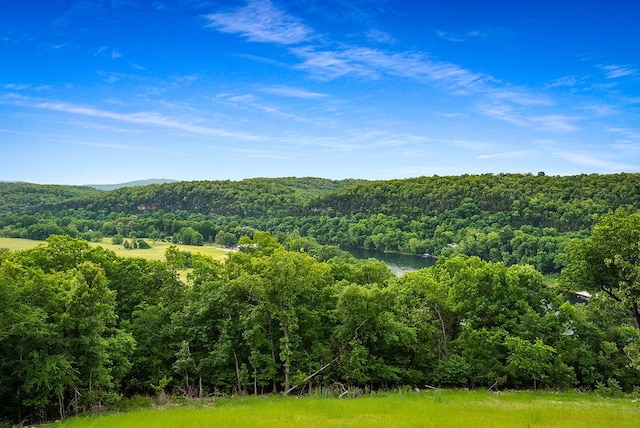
(323, 59)
(286, 91)
(594, 161)
(260, 21)
(146, 118)
(514, 154)
(550, 122)
(618, 71)
(374, 63)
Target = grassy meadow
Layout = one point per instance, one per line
(156, 252)
(16, 244)
(423, 409)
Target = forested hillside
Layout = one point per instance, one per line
(81, 328)
(20, 198)
(512, 218)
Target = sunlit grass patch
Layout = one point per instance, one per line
(158, 248)
(16, 244)
(425, 409)
(156, 252)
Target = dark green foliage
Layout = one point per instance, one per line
(510, 218)
(188, 236)
(258, 197)
(142, 244)
(20, 198)
(609, 262)
(226, 239)
(80, 327)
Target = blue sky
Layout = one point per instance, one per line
(107, 91)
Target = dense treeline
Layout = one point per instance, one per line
(250, 198)
(80, 327)
(510, 218)
(20, 198)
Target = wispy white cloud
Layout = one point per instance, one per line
(628, 133)
(374, 63)
(261, 21)
(108, 52)
(16, 132)
(566, 81)
(450, 37)
(599, 110)
(463, 37)
(449, 115)
(476, 33)
(125, 147)
(262, 59)
(555, 122)
(356, 139)
(595, 161)
(550, 122)
(617, 71)
(17, 87)
(243, 99)
(25, 87)
(286, 91)
(378, 36)
(146, 118)
(505, 113)
(628, 140)
(519, 97)
(514, 154)
(250, 101)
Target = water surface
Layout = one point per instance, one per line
(398, 263)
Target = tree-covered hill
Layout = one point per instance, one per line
(20, 197)
(510, 218)
(81, 327)
(513, 218)
(256, 198)
(564, 202)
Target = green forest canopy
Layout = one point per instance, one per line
(81, 327)
(513, 218)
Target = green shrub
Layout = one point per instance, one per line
(611, 389)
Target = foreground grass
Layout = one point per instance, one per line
(424, 409)
(156, 252)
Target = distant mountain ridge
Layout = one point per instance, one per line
(135, 183)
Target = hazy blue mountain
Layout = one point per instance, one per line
(131, 183)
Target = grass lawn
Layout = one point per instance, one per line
(15, 244)
(156, 252)
(412, 409)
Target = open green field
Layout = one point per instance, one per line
(15, 244)
(413, 409)
(156, 252)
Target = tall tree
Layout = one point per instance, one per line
(609, 261)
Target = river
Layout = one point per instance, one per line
(398, 263)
